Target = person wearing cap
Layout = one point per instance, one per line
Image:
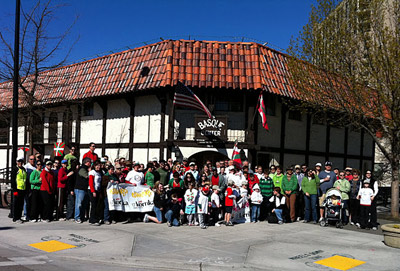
(135, 177)
(36, 182)
(91, 154)
(318, 167)
(289, 187)
(349, 175)
(192, 170)
(215, 205)
(326, 178)
(47, 191)
(81, 190)
(63, 175)
(256, 200)
(373, 184)
(272, 171)
(19, 188)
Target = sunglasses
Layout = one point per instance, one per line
(341, 175)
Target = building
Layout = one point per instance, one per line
(123, 103)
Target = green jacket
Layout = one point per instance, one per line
(277, 181)
(310, 186)
(291, 185)
(21, 179)
(35, 180)
(344, 187)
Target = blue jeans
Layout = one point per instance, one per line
(106, 210)
(170, 218)
(255, 212)
(158, 213)
(278, 213)
(81, 197)
(311, 204)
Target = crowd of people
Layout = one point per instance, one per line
(186, 193)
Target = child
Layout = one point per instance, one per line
(215, 205)
(244, 201)
(190, 196)
(366, 196)
(256, 200)
(229, 196)
(333, 202)
(278, 201)
(202, 206)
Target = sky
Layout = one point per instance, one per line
(110, 26)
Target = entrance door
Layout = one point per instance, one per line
(201, 157)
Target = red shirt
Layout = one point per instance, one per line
(252, 183)
(47, 181)
(349, 177)
(62, 177)
(228, 200)
(91, 155)
(215, 180)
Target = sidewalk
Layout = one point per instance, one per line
(259, 246)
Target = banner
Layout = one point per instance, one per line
(129, 198)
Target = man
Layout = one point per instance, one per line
(300, 196)
(81, 190)
(70, 156)
(304, 169)
(135, 177)
(29, 167)
(247, 164)
(19, 190)
(163, 173)
(63, 175)
(185, 164)
(327, 179)
(91, 154)
(272, 171)
(267, 190)
(259, 172)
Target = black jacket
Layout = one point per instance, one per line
(82, 178)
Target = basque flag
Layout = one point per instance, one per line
(237, 161)
(186, 98)
(59, 148)
(262, 111)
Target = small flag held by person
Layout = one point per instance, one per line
(237, 161)
(262, 111)
(186, 98)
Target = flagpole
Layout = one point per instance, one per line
(255, 111)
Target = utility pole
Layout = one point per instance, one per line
(15, 99)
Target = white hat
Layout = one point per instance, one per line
(318, 165)
(231, 168)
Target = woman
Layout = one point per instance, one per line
(176, 185)
(354, 204)
(70, 189)
(189, 178)
(149, 176)
(309, 186)
(35, 188)
(19, 188)
(63, 175)
(343, 186)
(289, 187)
(203, 179)
(46, 191)
(95, 177)
(160, 201)
(278, 177)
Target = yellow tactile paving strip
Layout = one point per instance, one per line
(340, 262)
(51, 246)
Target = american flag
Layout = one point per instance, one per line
(186, 98)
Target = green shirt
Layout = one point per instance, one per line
(149, 179)
(163, 176)
(291, 185)
(35, 180)
(310, 186)
(266, 187)
(278, 181)
(344, 187)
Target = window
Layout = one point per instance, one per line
(88, 109)
(229, 102)
(53, 127)
(295, 115)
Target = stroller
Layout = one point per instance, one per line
(333, 208)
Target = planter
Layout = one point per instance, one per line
(391, 235)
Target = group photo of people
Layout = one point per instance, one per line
(192, 194)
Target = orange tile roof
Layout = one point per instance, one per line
(216, 64)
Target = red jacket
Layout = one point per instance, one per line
(91, 155)
(62, 178)
(252, 183)
(47, 181)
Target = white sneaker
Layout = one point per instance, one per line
(374, 228)
(320, 219)
(358, 225)
(146, 218)
(352, 223)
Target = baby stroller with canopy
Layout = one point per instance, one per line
(333, 208)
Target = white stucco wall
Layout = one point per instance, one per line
(317, 137)
(3, 160)
(336, 143)
(117, 153)
(296, 133)
(140, 155)
(147, 119)
(117, 122)
(92, 126)
(354, 143)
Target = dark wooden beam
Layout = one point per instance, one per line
(104, 107)
(327, 141)
(362, 134)
(131, 102)
(308, 137)
(162, 97)
(346, 145)
(283, 134)
(171, 123)
(78, 128)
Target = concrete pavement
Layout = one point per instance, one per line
(141, 246)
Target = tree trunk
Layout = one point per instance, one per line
(395, 190)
